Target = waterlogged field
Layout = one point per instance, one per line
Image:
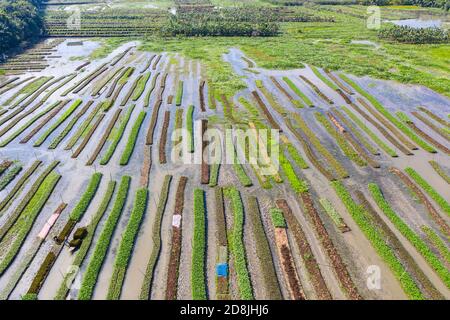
(93, 204)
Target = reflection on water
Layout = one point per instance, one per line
(418, 23)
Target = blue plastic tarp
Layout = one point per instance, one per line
(222, 270)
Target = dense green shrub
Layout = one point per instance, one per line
(126, 244)
(406, 34)
(128, 151)
(198, 280)
(440, 200)
(101, 248)
(19, 21)
(82, 205)
(409, 234)
(216, 23)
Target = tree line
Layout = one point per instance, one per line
(20, 20)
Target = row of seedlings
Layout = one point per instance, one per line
(403, 117)
(326, 172)
(222, 269)
(400, 251)
(198, 276)
(163, 138)
(96, 260)
(382, 130)
(436, 196)
(31, 253)
(382, 110)
(80, 209)
(18, 187)
(440, 170)
(19, 224)
(434, 215)
(116, 135)
(333, 162)
(312, 267)
(44, 121)
(127, 244)
(155, 113)
(295, 102)
(387, 125)
(237, 248)
(303, 97)
(410, 234)
(285, 255)
(440, 131)
(383, 146)
(28, 124)
(146, 289)
(357, 145)
(132, 138)
(104, 137)
(57, 123)
(354, 131)
(84, 127)
(175, 249)
(86, 244)
(343, 144)
(378, 242)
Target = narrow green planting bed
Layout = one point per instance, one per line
(440, 200)
(400, 125)
(116, 136)
(409, 234)
(16, 235)
(129, 147)
(198, 279)
(86, 244)
(102, 244)
(378, 242)
(127, 244)
(58, 122)
(237, 245)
